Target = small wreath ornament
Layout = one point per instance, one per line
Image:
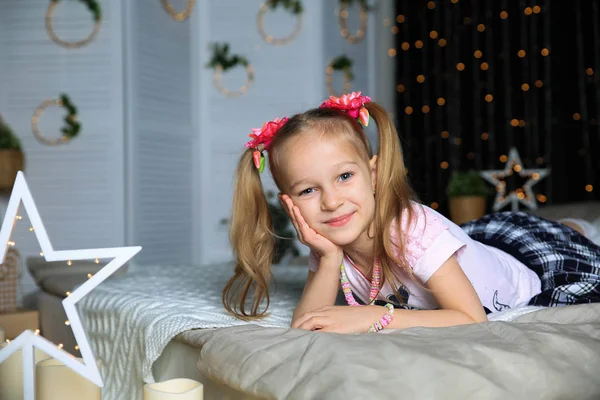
(344, 65)
(221, 62)
(178, 16)
(94, 8)
(293, 6)
(343, 20)
(70, 129)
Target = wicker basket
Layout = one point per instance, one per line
(9, 275)
(11, 162)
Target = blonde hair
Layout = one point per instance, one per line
(251, 233)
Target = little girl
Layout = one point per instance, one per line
(359, 217)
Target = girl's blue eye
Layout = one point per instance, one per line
(345, 176)
(306, 191)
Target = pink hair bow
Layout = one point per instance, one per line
(262, 138)
(353, 104)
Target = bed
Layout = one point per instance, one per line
(162, 322)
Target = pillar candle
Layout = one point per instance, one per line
(55, 381)
(174, 389)
(11, 374)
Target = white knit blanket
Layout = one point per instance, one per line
(130, 320)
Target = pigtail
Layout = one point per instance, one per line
(252, 243)
(393, 196)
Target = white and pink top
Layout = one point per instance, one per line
(500, 280)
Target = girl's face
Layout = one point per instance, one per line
(331, 184)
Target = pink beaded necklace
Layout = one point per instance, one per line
(348, 290)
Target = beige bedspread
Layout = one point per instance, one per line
(548, 354)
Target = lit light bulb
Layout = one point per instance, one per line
(37, 332)
(69, 263)
(41, 254)
(31, 229)
(68, 293)
(11, 243)
(18, 217)
(97, 261)
(60, 346)
(76, 347)
(90, 276)
(67, 322)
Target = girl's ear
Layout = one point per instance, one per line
(373, 165)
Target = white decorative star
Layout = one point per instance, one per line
(28, 339)
(523, 195)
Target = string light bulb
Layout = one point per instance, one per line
(489, 98)
(405, 46)
(444, 165)
(31, 229)
(477, 54)
(460, 66)
(408, 110)
(425, 109)
(503, 158)
(589, 188)
(433, 34)
(503, 15)
(528, 11)
(435, 205)
(481, 27)
(441, 101)
(525, 87)
(539, 84)
(522, 53)
(445, 134)
(545, 52)
(537, 9)
(400, 18)
(67, 322)
(420, 78)
(419, 44)
(442, 42)
(431, 5)
(484, 66)
(18, 217)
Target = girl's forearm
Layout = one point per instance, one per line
(321, 291)
(430, 318)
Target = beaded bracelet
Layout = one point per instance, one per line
(384, 321)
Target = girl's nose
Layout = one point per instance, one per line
(331, 201)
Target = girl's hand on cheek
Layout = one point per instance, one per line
(307, 235)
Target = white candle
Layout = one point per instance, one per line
(11, 374)
(54, 381)
(174, 389)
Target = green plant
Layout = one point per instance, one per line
(467, 183)
(293, 6)
(343, 63)
(8, 140)
(92, 5)
(221, 57)
(72, 126)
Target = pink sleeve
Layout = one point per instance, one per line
(428, 242)
(313, 261)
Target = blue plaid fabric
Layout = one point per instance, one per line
(567, 263)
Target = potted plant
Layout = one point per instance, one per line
(11, 156)
(467, 194)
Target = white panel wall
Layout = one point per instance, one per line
(289, 79)
(78, 187)
(160, 135)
